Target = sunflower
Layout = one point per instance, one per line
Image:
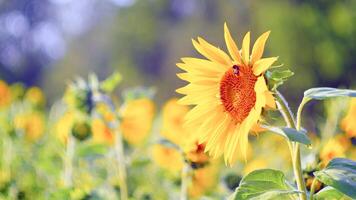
(333, 148)
(35, 96)
(137, 118)
(5, 94)
(32, 124)
(102, 134)
(228, 94)
(348, 122)
(167, 158)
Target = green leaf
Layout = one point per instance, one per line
(278, 77)
(327, 92)
(330, 193)
(340, 173)
(291, 134)
(111, 82)
(264, 184)
(85, 150)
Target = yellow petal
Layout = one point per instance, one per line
(231, 143)
(211, 52)
(246, 49)
(246, 126)
(260, 85)
(231, 46)
(206, 128)
(270, 101)
(193, 78)
(199, 111)
(192, 88)
(231, 155)
(258, 47)
(219, 130)
(198, 72)
(194, 99)
(202, 64)
(262, 65)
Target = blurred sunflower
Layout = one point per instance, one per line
(173, 130)
(137, 117)
(32, 124)
(5, 94)
(228, 94)
(64, 125)
(101, 132)
(255, 164)
(35, 96)
(195, 153)
(203, 180)
(348, 123)
(167, 158)
(172, 122)
(331, 149)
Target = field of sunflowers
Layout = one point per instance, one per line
(228, 119)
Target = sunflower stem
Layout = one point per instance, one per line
(118, 146)
(293, 146)
(119, 150)
(185, 181)
(312, 188)
(68, 162)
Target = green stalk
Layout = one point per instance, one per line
(312, 188)
(119, 150)
(68, 162)
(293, 146)
(185, 180)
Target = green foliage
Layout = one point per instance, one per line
(291, 134)
(89, 149)
(109, 84)
(340, 173)
(277, 77)
(330, 193)
(264, 184)
(327, 92)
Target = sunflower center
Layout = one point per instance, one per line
(237, 92)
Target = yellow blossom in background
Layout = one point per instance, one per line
(172, 122)
(167, 158)
(203, 180)
(101, 132)
(228, 93)
(64, 125)
(195, 153)
(348, 124)
(331, 149)
(32, 124)
(5, 179)
(105, 112)
(5, 94)
(17, 91)
(255, 164)
(137, 117)
(35, 96)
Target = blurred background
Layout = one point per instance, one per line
(49, 42)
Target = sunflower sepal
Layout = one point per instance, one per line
(266, 184)
(277, 77)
